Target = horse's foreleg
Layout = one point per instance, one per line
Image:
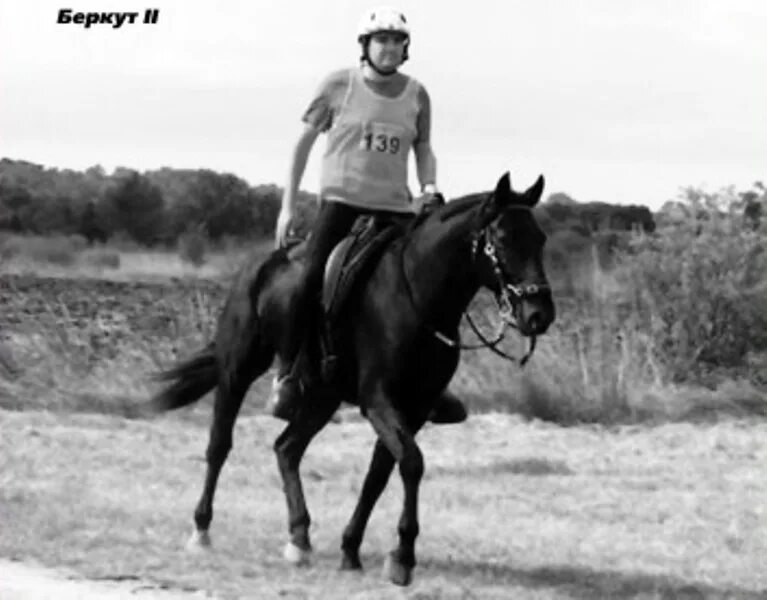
(289, 448)
(381, 466)
(400, 441)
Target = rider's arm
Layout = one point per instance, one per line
(426, 162)
(298, 159)
(317, 119)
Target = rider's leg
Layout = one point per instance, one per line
(334, 220)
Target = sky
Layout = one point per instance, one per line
(611, 100)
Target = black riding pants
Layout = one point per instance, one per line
(334, 221)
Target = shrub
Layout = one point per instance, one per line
(77, 242)
(102, 258)
(57, 250)
(121, 240)
(697, 287)
(193, 246)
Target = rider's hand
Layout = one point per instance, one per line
(284, 227)
(431, 201)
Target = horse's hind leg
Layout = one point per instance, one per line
(239, 364)
(289, 447)
(381, 467)
(226, 407)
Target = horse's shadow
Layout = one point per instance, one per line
(586, 583)
(532, 467)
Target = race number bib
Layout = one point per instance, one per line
(381, 137)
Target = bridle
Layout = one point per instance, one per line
(507, 295)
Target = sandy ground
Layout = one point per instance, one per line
(20, 581)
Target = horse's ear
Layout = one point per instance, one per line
(534, 192)
(503, 189)
(497, 201)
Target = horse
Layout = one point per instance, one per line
(398, 346)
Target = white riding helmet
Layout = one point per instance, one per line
(383, 18)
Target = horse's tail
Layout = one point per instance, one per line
(191, 380)
(241, 351)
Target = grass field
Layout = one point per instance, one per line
(510, 509)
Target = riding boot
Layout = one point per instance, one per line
(448, 410)
(288, 388)
(286, 396)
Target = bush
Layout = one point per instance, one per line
(697, 287)
(102, 258)
(57, 250)
(121, 240)
(77, 242)
(193, 246)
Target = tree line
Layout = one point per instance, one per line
(159, 206)
(150, 208)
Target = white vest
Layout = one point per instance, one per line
(366, 159)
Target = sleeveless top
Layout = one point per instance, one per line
(366, 158)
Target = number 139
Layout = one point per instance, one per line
(382, 143)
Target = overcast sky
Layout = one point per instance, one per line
(612, 100)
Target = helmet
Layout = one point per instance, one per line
(382, 19)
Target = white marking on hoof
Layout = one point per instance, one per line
(397, 573)
(199, 542)
(297, 556)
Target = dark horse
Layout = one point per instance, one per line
(398, 352)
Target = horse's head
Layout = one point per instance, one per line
(508, 246)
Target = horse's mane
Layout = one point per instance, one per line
(460, 205)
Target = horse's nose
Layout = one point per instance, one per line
(537, 323)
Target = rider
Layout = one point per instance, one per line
(373, 115)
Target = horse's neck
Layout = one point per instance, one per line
(438, 266)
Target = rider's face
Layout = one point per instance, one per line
(386, 49)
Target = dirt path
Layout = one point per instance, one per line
(19, 581)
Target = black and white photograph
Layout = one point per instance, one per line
(425, 300)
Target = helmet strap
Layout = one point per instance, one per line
(381, 72)
(366, 58)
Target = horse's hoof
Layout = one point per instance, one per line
(397, 573)
(351, 563)
(199, 542)
(296, 556)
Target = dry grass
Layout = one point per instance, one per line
(70, 257)
(509, 508)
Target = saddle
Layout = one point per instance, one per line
(347, 267)
(354, 257)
